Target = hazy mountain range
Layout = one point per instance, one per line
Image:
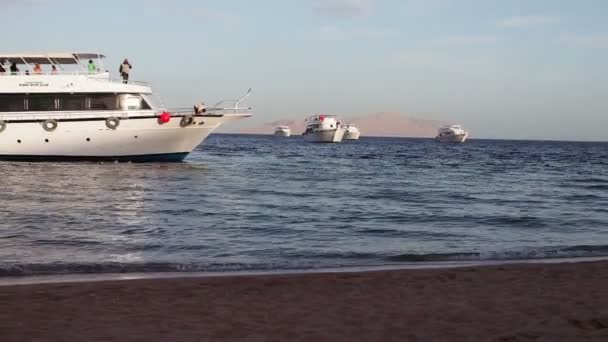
(385, 124)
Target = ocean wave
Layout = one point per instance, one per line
(303, 262)
(64, 268)
(590, 180)
(524, 253)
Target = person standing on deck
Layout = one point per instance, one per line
(14, 69)
(92, 68)
(124, 70)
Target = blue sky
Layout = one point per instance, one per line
(503, 68)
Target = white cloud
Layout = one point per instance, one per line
(24, 2)
(345, 8)
(464, 40)
(528, 20)
(592, 41)
(211, 14)
(437, 60)
(425, 7)
(417, 59)
(334, 31)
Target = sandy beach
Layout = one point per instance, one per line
(532, 302)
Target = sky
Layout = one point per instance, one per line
(520, 69)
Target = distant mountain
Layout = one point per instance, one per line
(387, 124)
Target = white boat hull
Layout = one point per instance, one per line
(135, 139)
(455, 138)
(283, 134)
(348, 135)
(325, 136)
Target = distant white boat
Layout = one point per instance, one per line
(452, 134)
(351, 133)
(283, 131)
(323, 129)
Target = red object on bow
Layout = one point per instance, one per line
(321, 117)
(164, 117)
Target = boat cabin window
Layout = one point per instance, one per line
(41, 103)
(73, 102)
(133, 102)
(12, 103)
(103, 102)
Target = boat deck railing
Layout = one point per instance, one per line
(80, 114)
(211, 111)
(220, 108)
(102, 76)
(122, 114)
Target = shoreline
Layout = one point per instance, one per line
(511, 302)
(103, 277)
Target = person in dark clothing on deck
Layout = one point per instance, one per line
(14, 69)
(125, 69)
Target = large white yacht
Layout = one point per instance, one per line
(57, 107)
(323, 129)
(283, 131)
(452, 134)
(351, 133)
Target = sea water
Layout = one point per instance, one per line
(266, 203)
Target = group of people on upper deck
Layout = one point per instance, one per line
(124, 70)
(15, 69)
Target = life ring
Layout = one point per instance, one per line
(2, 126)
(49, 125)
(186, 121)
(112, 122)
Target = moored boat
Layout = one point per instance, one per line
(283, 131)
(323, 129)
(452, 134)
(351, 132)
(71, 111)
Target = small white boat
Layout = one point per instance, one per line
(452, 134)
(323, 129)
(283, 131)
(55, 107)
(351, 133)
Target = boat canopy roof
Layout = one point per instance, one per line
(49, 58)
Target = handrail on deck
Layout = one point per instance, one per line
(212, 111)
(98, 76)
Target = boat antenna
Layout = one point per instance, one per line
(236, 105)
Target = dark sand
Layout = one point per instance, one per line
(551, 302)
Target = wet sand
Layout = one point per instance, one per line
(530, 302)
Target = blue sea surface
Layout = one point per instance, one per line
(244, 202)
